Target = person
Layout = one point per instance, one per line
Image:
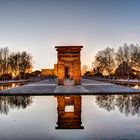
(52, 77)
(49, 77)
(128, 79)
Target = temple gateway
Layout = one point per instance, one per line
(69, 64)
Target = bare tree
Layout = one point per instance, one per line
(5, 58)
(104, 60)
(14, 61)
(25, 64)
(20, 63)
(123, 54)
(4, 54)
(135, 61)
(1, 61)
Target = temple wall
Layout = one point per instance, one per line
(46, 72)
(61, 72)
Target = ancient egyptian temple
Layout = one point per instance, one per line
(69, 64)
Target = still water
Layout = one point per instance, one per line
(70, 117)
(11, 85)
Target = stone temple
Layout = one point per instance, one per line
(69, 64)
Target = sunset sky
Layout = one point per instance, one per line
(37, 26)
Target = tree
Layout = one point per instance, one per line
(20, 63)
(123, 54)
(25, 64)
(14, 61)
(4, 54)
(104, 60)
(1, 61)
(123, 70)
(129, 54)
(36, 73)
(136, 58)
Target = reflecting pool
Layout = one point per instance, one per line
(11, 85)
(72, 117)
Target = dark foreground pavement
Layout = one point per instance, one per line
(88, 87)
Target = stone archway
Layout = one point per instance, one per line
(69, 64)
(69, 112)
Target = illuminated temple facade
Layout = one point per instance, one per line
(69, 64)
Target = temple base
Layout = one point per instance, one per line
(60, 82)
(77, 82)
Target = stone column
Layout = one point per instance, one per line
(77, 73)
(71, 71)
(61, 73)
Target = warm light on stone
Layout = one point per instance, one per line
(71, 118)
(69, 64)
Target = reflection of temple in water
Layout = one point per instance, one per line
(69, 112)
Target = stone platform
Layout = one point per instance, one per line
(88, 87)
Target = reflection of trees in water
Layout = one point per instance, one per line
(7, 102)
(127, 104)
(106, 101)
(124, 104)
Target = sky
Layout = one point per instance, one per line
(37, 26)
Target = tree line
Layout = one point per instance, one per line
(125, 59)
(15, 64)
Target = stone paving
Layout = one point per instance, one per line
(70, 89)
(88, 87)
(98, 87)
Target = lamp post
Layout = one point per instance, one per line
(128, 68)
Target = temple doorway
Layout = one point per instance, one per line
(67, 72)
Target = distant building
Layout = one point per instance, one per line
(55, 69)
(46, 72)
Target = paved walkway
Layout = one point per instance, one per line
(69, 88)
(12, 81)
(88, 87)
